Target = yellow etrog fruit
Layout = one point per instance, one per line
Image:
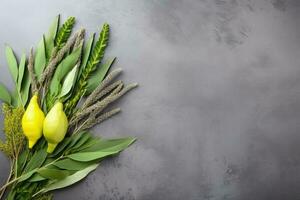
(32, 122)
(55, 126)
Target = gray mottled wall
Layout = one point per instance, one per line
(217, 113)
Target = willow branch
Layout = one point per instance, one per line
(48, 72)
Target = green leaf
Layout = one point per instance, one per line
(53, 173)
(26, 176)
(21, 70)
(66, 145)
(111, 144)
(85, 137)
(64, 32)
(61, 146)
(86, 53)
(12, 63)
(40, 58)
(68, 82)
(89, 156)
(98, 76)
(75, 138)
(36, 178)
(102, 149)
(70, 180)
(15, 100)
(4, 94)
(25, 87)
(36, 160)
(63, 68)
(69, 164)
(22, 160)
(88, 144)
(50, 36)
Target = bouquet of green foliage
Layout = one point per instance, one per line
(61, 91)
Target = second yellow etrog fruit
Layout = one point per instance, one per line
(55, 126)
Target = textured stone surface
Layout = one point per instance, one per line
(218, 108)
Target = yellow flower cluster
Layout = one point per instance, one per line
(13, 132)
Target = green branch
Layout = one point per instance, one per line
(64, 32)
(95, 58)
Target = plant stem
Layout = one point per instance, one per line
(38, 192)
(19, 95)
(9, 177)
(9, 183)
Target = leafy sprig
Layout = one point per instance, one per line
(95, 58)
(20, 77)
(64, 32)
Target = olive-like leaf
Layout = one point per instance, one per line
(89, 143)
(36, 178)
(4, 94)
(40, 58)
(63, 68)
(61, 146)
(82, 141)
(68, 143)
(22, 160)
(26, 176)
(25, 87)
(52, 173)
(70, 180)
(102, 149)
(86, 53)
(15, 100)
(69, 164)
(111, 145)
(97, 77)
(36, 160)
(68, 82)
(75, 138)
(50, 36)
(21, 70)
(89, 156)
(12, 63)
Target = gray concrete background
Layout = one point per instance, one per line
(217, 113)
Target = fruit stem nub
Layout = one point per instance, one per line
(51, 147)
